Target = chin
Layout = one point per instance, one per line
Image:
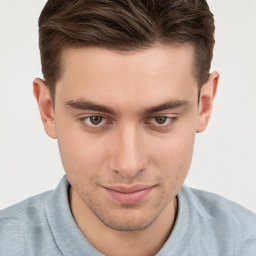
(131, 225)
(131, 220)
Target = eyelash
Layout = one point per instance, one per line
(109, 122)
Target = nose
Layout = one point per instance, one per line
(128, 152)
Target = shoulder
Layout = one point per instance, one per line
(225, 220)
(214, 205)
(17, 221)
(33, 204)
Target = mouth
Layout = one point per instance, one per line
(128, 195)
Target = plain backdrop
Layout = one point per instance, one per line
(225, 154)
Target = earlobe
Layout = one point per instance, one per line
(208, 92)
(43, 97)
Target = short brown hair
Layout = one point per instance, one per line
(124, 25)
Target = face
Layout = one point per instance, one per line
(125, 124)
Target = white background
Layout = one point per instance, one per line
(225, 154)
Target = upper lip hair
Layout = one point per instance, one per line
(124, 189)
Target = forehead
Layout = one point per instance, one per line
(149, 59)
(120, 76)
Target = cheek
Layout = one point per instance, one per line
(82, 155)
(83, 162)
(173, 156)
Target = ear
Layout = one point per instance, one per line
(43, 97)
(208, 92)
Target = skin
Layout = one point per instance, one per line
(138, 139)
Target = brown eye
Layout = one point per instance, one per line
(96, 120)
(160, 119)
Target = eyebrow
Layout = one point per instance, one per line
(88, 105)
(165, 106)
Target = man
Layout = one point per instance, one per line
(126, 88)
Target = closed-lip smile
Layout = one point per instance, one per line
(128, 195)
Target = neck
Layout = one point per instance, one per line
(113, 242)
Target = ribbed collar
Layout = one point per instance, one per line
(68, 237)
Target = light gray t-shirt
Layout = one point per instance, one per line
(206, 224)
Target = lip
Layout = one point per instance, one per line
(128, 195)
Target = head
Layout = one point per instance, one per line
(122, 81)
(124, 25)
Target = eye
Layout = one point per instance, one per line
(94, 121)
(161, 120)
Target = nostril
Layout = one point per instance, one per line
(127, 172)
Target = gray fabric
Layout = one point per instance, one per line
(206, 224)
